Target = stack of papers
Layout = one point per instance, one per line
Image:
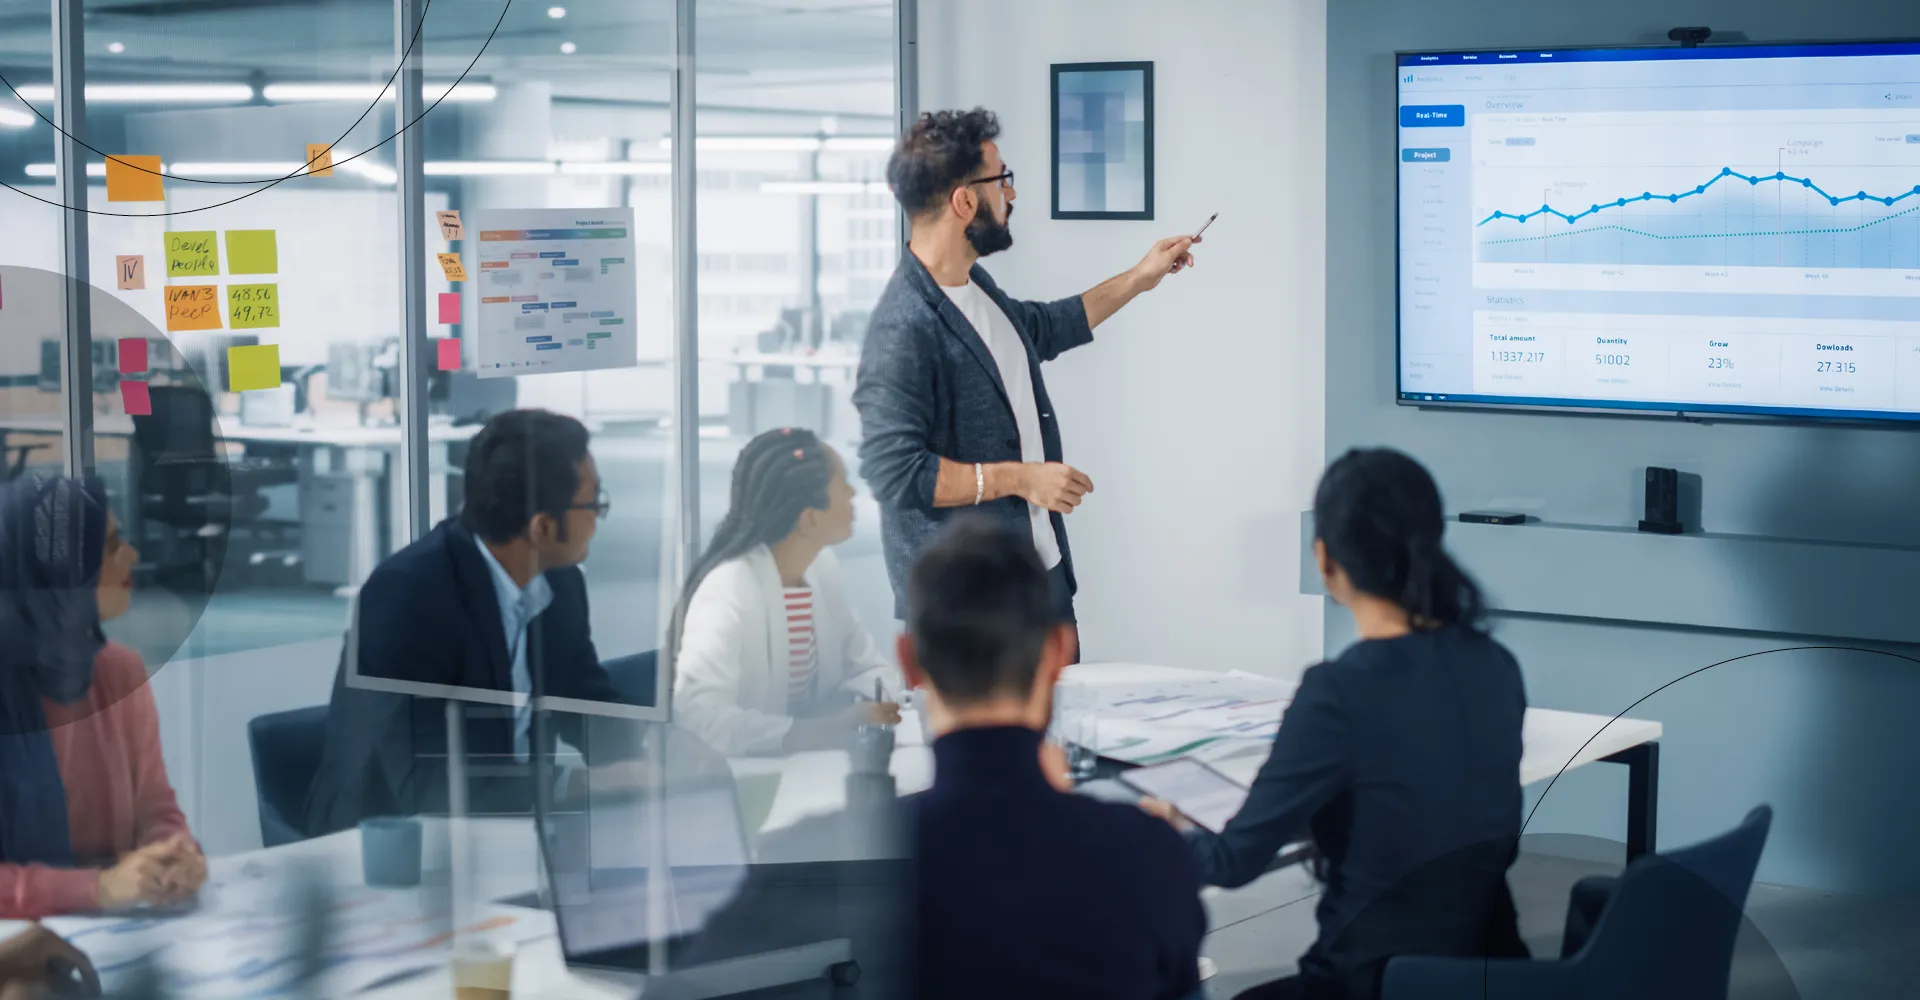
(1226, 720)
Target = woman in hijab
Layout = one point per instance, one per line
(88, 820)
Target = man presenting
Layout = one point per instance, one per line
(953, 409)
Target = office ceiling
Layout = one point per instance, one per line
(756, 52)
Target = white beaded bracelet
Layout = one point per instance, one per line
(979, 484)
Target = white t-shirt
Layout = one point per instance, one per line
(1003, 341)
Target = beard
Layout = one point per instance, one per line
(987, 234)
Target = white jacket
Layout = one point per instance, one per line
(730, 684)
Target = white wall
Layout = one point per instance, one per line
(1199, 411)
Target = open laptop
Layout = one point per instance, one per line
(598, 861)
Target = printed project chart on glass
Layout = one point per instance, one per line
(557, 290)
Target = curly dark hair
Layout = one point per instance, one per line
(936, 155)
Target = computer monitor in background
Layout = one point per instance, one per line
(49, 365)
(352, 375)
(470, 399)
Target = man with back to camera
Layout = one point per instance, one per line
(460, 607)
(953, 409)
(1014, 886)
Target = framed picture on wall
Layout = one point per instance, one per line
(1103, 140)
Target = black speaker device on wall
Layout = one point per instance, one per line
(1663, 502)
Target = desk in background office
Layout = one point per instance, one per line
(348, 506)
(766, 393)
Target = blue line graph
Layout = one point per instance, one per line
(1772, 220)
(1725, 172)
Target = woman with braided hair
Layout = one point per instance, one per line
(763, 637)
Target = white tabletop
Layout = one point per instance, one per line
(814, 783)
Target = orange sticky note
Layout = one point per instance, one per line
(130, 270)
(319, 159)
(449, 351)
(193, 307)
(134, 178)
(135, 399)
(450, 228)
(450, 263)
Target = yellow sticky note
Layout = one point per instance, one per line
(134, 178)
(252, 251)
(319, 159)
(253, 307)
(450, 263)
(192, 255)
(256, 367)
(193, 307)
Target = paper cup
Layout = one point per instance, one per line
(482, 972)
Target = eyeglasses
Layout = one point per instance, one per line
(1005, 178)
(600, 505)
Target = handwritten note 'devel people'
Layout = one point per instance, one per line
(193, 255)
(193, 307)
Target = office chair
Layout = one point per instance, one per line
(185, 483)
(1666, 932)
(21, 452)
(634, 676)
(286, 748)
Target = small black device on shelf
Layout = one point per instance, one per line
(1663, 502)
(1492, 517)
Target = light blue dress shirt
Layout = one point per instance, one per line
(518, 607)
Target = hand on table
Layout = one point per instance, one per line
(24, 968)
(1054, 485)
(165, 871)
(1053, 764)
(874, 713)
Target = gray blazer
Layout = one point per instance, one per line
(928, 389)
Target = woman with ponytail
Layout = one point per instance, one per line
(763, 638)
(1400, 760)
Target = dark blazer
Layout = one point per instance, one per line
(429, 614)
(989, 884)
(928, 389)
(1402, 760)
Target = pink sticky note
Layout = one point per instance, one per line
(449, 307)
(135, 399)
(449, 354)
(133, 355)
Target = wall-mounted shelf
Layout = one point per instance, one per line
(1745, 582)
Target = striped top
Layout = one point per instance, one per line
(803, 653)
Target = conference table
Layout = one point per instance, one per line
(775, 793)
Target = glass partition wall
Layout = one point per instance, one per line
(256, 222)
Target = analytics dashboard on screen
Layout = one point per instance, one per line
(1726, 230)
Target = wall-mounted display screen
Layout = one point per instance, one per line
(1715, 230)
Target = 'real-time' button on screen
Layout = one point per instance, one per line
(1425, 155)
(1433, 115)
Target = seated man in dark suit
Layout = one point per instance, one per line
(491, 600)
(1013, 885)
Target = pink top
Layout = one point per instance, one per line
(118, 796)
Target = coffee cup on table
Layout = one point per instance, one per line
(482, 971)
(390, 851)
